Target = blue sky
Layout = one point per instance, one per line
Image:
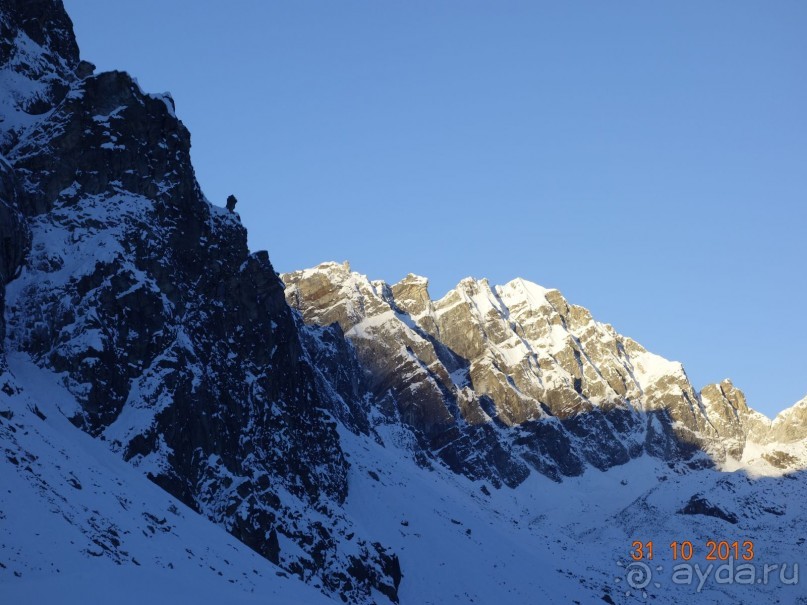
(647, 159)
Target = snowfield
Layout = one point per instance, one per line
(79, 525)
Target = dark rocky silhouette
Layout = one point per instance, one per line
(698, 505)
(168, 311)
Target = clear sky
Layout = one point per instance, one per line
(648, 159)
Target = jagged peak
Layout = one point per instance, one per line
(721, 387)
(352, 284)
(471, 286)
(411, 294)
(725, 391)
(412, 279)
(341, 270)
(725, 386)
(796, 408)
(469, 282)
(516, 290)
(526, 286)
(524, 291)
(477, 292)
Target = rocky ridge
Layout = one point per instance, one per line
(531, 369)
(174, 339)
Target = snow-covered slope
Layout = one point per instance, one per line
(95, 523)
(78, 525)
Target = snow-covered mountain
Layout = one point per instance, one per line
(518, 377)
(181, 423)
(175, 341)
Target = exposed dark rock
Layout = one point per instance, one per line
(780, 459)
(49, 62)
(15, 241)
(698, 505)
(146, 298)
(109, 137)
(15, 236)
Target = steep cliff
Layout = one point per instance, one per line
(175, 341)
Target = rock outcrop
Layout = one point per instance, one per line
(543, 381)
(790, 425)
(176, 342)
(15, 240)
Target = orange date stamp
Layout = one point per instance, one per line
(716, 550)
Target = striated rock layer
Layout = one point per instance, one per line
(516, 375)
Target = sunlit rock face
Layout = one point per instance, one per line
(561, 389)
(532, 381)
(791, 424)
